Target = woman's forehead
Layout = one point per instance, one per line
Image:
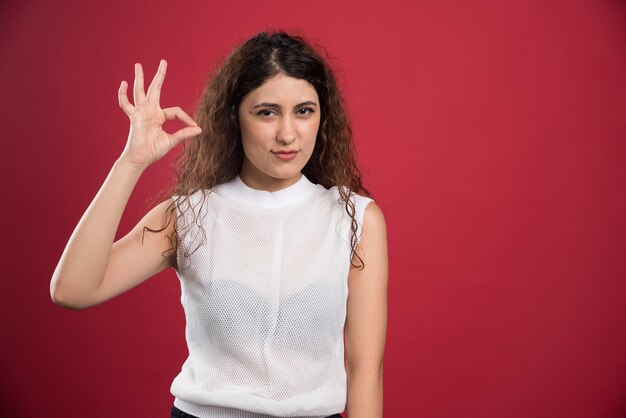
(284, 89)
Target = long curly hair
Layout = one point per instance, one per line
(215, 156)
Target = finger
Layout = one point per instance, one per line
(122, 98)
(178, 113)
(185, 133)
(154, 91)
(139, 95)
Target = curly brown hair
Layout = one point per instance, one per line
(215, 156)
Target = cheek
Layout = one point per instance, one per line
(313, 131)
(254, 135)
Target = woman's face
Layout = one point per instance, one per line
(283, 114)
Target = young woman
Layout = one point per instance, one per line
(280, 251)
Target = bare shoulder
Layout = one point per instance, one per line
(162, 219)
(374, 226)
(373, 217)
(373, 242)
(152, 235)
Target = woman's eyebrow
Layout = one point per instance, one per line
(308, 102)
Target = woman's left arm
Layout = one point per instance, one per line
(366, 320)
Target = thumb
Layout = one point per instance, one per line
(185, 133)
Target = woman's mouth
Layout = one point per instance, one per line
(285, 155)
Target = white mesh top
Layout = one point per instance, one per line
(265, 299)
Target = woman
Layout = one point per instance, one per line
(271, 217)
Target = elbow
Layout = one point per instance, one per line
(64, 303)
(61, 299)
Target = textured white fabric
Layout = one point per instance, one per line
(265, 302)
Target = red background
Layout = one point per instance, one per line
(490, 132)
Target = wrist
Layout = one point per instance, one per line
(129, 165)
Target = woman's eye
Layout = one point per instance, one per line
(301, 111)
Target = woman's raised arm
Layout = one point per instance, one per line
(93, 269)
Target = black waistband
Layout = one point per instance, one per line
(177, 413)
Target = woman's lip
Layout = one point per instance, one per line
(286, 155)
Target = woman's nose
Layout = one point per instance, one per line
(287, 130)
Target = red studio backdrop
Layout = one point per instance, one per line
(491, 134)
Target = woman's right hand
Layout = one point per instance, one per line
(147, 141)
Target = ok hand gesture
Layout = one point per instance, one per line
(147, 141)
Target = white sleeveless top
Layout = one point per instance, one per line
(265, 302)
